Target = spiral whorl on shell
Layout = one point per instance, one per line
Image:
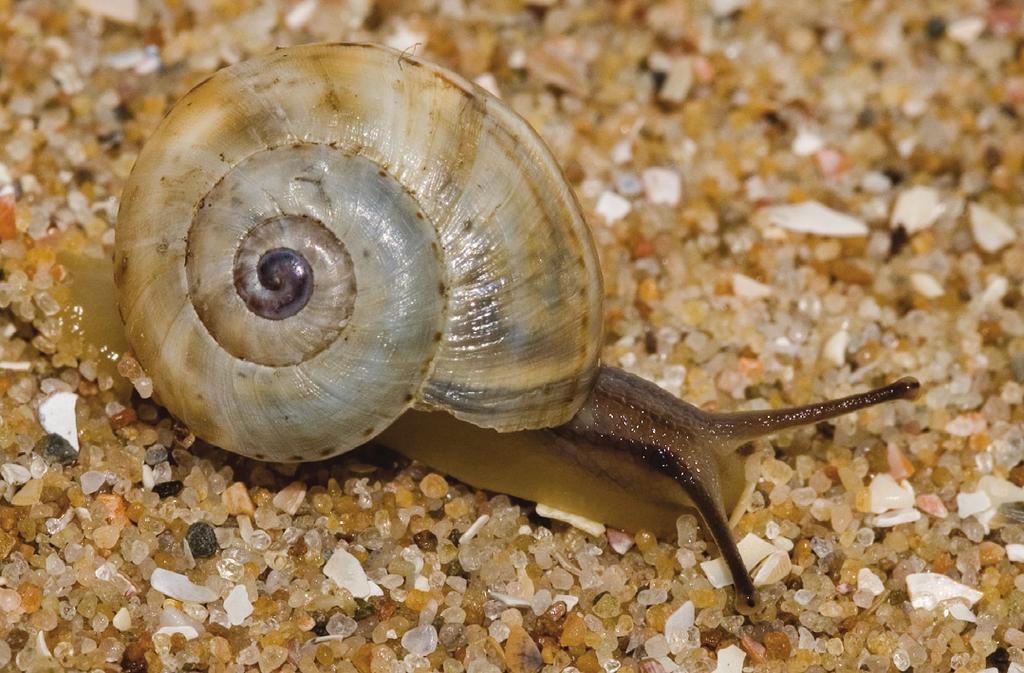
(317, 239)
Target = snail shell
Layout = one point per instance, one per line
(317, 239)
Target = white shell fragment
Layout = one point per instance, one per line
(994, 292)
(991, 232)
(717, 573)
(662, 185)
(180, 587)
(509, 600)
(966, 30)
(347, 573)
(927, 590)
(885, 494)
(612, 207)
(753, 550)
(895, 517)
(148, 477)
(917, 208)
(835, 348)
(41, 645)
(812, 217)
(15, 474)
(680, 620)
(474, 528)
(926, 285)
(869, 582)
(290, 498)
(584, 524)
(237, 605)
(745, 286)
(984, 503)
(774, 569)
(960, 611)
(189, 632)
(174, 621)
(57, 415)
(122, 620)
(1015, 552)
(730, 660)
(969, 504)
(807, 143)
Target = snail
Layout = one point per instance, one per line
(330, 244)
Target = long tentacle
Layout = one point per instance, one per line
(745, 425)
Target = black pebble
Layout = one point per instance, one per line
(659, 79)
(454, 569)
(363, 610)
(999, 659)
(650, 342)
(894, 174)
(935, 28)
(133, 665)
(166, 489)
(56, 449)
(898, 240)
(201, 539)
(425, 540)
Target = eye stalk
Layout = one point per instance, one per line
(285, 284)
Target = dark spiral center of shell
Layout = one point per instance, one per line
(283, 284)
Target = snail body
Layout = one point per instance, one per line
(321, 239)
